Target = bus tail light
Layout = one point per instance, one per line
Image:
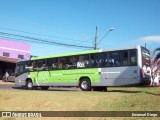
(141, 72)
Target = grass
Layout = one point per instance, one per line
(116, 99)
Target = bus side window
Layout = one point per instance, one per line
(40, 65)
(110, 60)
(51, 64)
(60, 63)
(114, 59)
(97, 60)
(73, 62)
(103, 60)
(86, 61)
(20, 68)
(28, 66)
(80, 62)
(34, 64)
(133, 57)
(47, 64)
(91, 61)
(66, 63)
(124, 55)
(83, 61)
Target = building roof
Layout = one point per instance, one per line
(7, 59)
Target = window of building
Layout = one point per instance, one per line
(21, 56)
(5, 54)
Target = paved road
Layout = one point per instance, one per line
(11, 86)
(6, 85)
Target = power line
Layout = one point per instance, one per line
(13, 22)
(17, 39)
(40, 34)
(43, 40)
(43, 51)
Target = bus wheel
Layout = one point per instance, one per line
(29, 85)
(85, 84)
(44, 87)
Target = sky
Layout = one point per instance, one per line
(135, 22)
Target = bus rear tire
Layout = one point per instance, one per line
(29, 85)
(44, 87)
(85, 84)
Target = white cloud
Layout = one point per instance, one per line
(150, 39)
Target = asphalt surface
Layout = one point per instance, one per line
(6, 85)
(12, 86)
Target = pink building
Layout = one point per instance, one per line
(11, 52)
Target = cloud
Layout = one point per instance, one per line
(150, 39)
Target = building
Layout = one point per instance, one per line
(10, 53)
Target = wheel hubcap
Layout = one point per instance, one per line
(29, 85)
(84, 85)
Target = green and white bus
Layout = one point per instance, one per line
(95, 69)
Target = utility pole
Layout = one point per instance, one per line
(96, 39)
(145, 45)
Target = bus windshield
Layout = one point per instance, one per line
(19, 68)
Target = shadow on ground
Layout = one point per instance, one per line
(156, 94)
(73, 89)
(50, 89)
(125, 91)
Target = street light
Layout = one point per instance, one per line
(105, 35)
(96, 37)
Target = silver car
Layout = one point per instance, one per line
(11, 78)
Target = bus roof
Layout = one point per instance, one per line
(64, 55)
(21, 60)
(80, 53)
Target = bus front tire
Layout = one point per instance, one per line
(44, 87)
(85, 84)
(29, 85)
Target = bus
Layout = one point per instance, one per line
(88, 70)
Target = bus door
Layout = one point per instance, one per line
(133, 66)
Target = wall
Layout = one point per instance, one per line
(14, 48)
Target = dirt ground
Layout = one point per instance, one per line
(2, 82)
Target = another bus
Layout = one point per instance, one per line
(95, 69)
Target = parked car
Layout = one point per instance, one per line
(11, 78)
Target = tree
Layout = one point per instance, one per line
(157, 50)
(155, 64)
